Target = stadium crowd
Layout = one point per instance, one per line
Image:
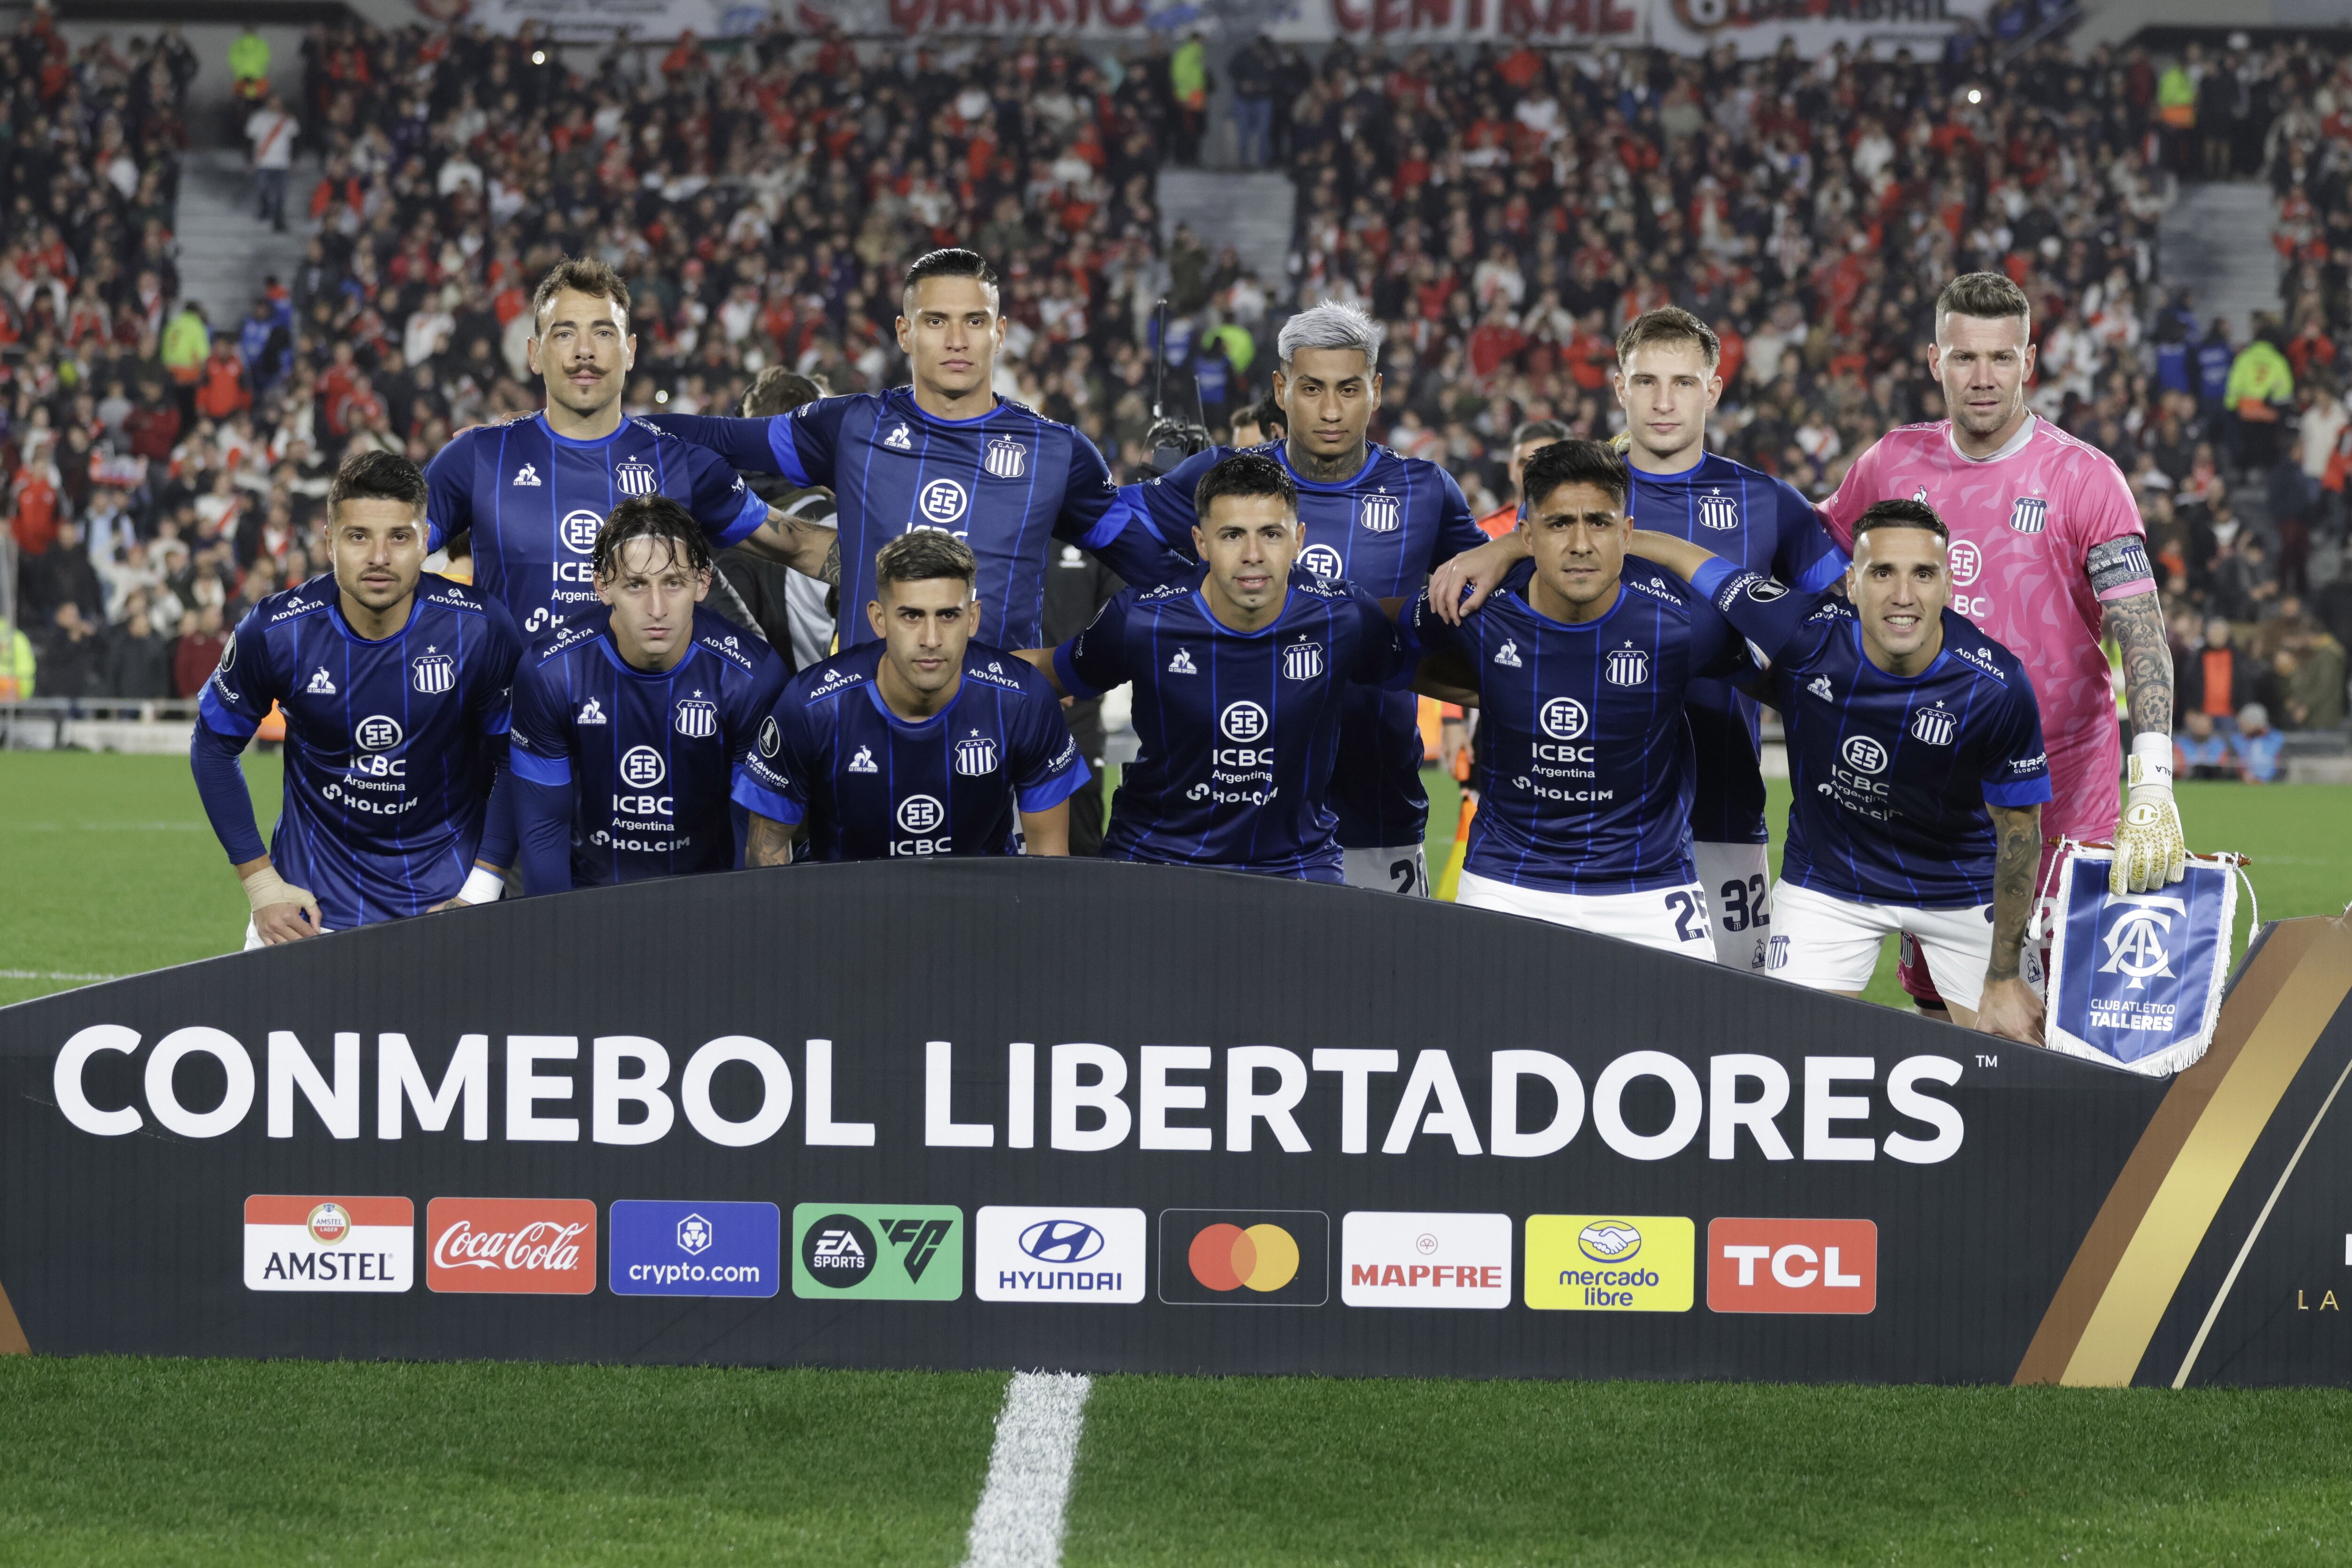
(1503, 212)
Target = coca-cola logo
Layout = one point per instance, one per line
(544, 1245)
(528, 1246)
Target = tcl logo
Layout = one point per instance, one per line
(539, 1247)
(1792, 1265)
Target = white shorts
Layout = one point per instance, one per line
(1737, 880)
(1400, 870)
(253, 934)
(1829, 944)
(1672, 919)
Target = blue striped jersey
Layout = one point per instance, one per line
(1584, 755)
(1239, 732)
(1891, 774)
(390, 746)
(1008, 483)
(1764, 524)
(534, 499)
(644, 761)
(1384, 529)
(872, 786)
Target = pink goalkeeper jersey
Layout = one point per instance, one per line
(2023, 523)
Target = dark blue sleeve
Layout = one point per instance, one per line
(1385, 653)
(493, 694)
(1098, 516)
(541, 750)
(498, 845)
(1718, 651)
(243, 686)
(727, 508)
(543, 813)
(2015, 764)
(1804, 555)
(1045, 767)
(1095, 661)
(1164, 505)
(449, 492)
(1457, 531)
(1431, 634)
(1766, 612)
(220, 784)
(748, 446)
(769, 779)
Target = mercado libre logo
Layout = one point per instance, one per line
(1611, 1263)
(1244, 1258)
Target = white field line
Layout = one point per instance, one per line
(1018, 1523)
(50, 974)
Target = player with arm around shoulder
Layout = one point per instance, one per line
(1915, 756)
(925, 742)
(629, 721)
(1242, 678)
(1582, 662)
(395, 684)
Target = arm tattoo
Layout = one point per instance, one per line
(832, 571)
(1326, 470)
(2138, 625)
(2019, 832)
(770, 842)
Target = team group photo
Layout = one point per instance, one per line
(893, 554)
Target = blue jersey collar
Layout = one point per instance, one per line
(415, 609)
(913, 726)
(541, 417)
(1221, 629)
(613, 653)
(916, 410)
(1862, 653)
(1528, 598)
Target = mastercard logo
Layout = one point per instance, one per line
(1227, 1257)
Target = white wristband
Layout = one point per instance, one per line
(2152, 760)
(483, 886)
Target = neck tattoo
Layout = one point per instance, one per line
(1326, 470)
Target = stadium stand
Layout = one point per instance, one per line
(1504, 212)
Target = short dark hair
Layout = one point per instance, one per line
(780, 390)
(377, 476)
(1576, 463)
(1899, 513)
(1989, 296)
(583, 275)
(1538, 430)
(922, 555)
(650, 517)
(1245, 474)
(1669, 324)
(1266, 415)
(953, 262)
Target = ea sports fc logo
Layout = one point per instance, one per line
(1863, 754)
(1228, 1257)
(578, 531)
(1564, 719)
(1244, 723)
(921, 813)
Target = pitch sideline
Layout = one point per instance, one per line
(1018, 1523)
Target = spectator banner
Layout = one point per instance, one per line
(1098, 1116)
(2135, 978)
(1687, 27)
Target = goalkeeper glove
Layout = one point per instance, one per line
(2149, 849)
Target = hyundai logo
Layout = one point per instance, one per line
(1061, 1241)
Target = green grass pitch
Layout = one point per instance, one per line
(109, 869)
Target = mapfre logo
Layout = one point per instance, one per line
(538, 1247)
(1827, 1266)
